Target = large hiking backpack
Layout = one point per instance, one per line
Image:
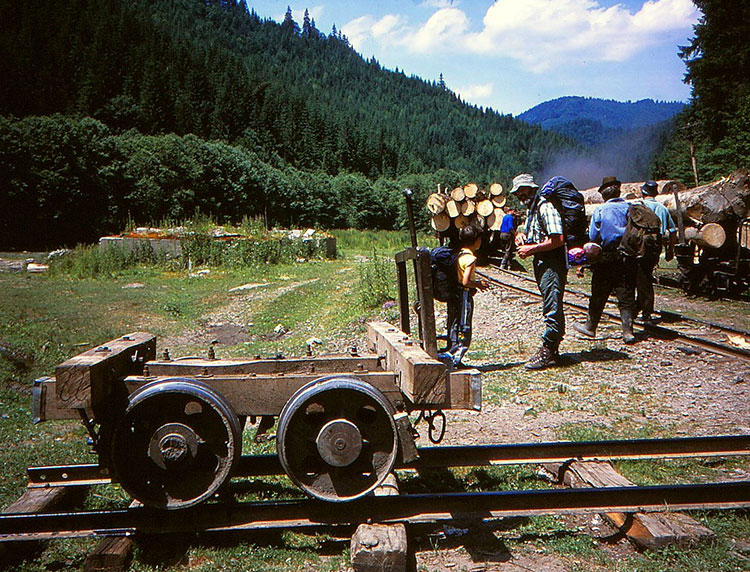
(444, 277)
(642, 235)
(569, 203)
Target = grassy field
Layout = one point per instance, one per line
(46, 319)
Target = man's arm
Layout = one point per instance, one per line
(552, 242)
(669, 254)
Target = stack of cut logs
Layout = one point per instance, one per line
(706, 210)
(469, 205)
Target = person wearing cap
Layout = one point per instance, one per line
(645, 275)
(613, 270)
(543, 238)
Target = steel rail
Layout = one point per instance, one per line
(659, 331)
(461, 456)
(391, 509)
(665, 314)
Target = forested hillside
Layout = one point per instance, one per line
(165, 81)
(592, 121)
(717, 120)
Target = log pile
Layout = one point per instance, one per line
(724, 201)
(630, 191)
(468, 205)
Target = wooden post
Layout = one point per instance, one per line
(380, 547)
(112, 555)
(694, 162)
(426, 303)
(403, 296)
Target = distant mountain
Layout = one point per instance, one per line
(591, 121)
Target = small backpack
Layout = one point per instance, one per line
(642, 235)
(569, 203)
(444, 277)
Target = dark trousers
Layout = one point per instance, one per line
(644, 283)
(460, 310)
(503, 243)
(551, 273)
(615, 273)
(508, 245)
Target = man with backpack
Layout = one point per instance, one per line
(614, 269)
(646, 264)
(543, 238)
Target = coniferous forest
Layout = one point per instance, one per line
(115, 110)
(717, 119)
(142, 111)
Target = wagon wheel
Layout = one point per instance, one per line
(337, 439)
(177, 443)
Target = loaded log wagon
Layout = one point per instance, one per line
(713, 239)
(170, 430)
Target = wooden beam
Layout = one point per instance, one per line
(83, 380)
(113, 554)
(423, 379)
(267, 394)
(426, 302)
(645, 530)
(239, 366)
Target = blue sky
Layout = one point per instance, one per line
(513, 54)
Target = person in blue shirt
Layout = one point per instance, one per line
(507, 238)
(645, 276)
(613, 270)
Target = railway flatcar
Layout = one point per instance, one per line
(169, 430)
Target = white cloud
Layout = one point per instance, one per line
(445, 27)
(545, 33)
(541, 34)
(388, 30)
(476, 93)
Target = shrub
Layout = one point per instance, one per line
(377, 277)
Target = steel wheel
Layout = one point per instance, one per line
(177, 443)
(337, 438)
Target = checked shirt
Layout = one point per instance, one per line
(544, 222)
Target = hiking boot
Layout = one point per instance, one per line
(588, 330)
(628, 336)
(650, 320)
(544, 358)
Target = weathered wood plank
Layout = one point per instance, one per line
(45, 404)
(238, 366)
(465, 388)
(113, 554)
(44, 499)
(423, 379)
(267, 394)
(426, 303)
(82, 381)
(645, 530)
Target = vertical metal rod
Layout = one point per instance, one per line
(408, 195)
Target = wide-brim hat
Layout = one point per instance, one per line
(523, 180)
(650, 188)
(609, 182)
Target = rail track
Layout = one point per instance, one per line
(704, 334)
(228, 515)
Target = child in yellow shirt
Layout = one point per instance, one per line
(461, 304)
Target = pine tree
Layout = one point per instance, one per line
(306, 26)
(289, 25)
